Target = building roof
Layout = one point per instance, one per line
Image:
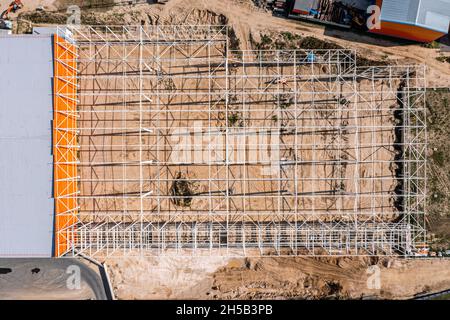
(433, 15)
(306, 5)
(26, 196)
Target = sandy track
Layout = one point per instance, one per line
(272, 278)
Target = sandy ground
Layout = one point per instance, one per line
(328, 133)
(272, 278)
(109, 135)
(172, 277)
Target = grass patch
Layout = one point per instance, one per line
(288, 36)
(181, 191)
(443, 297)
(289, 41)
(438, 158)
(443, 59)
(431, 45)
(235, 120)
(438, 124)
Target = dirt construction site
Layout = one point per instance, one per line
(226, 153)
(172, 135)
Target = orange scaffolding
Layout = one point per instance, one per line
(65, 145)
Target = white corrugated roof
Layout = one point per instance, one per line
(430, 14)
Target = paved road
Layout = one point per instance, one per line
(50, 279)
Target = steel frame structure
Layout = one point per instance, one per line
(348, 176)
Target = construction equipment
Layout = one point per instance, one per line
(14, 6)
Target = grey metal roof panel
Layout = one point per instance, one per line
(403, 11)
(26, 203)
(430, 14)
(45, 30)
(434, 15)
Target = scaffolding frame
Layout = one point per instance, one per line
(349, 176)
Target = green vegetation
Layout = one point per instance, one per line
(439, 158)
(289, 41)
(234, 42)
(443, 59)
(431, 45)
(290, 37)
(315, 43)
(235, 120)
(438, 208)
(181, 191)
(265, 39)
(285, 104)
(443, 297)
